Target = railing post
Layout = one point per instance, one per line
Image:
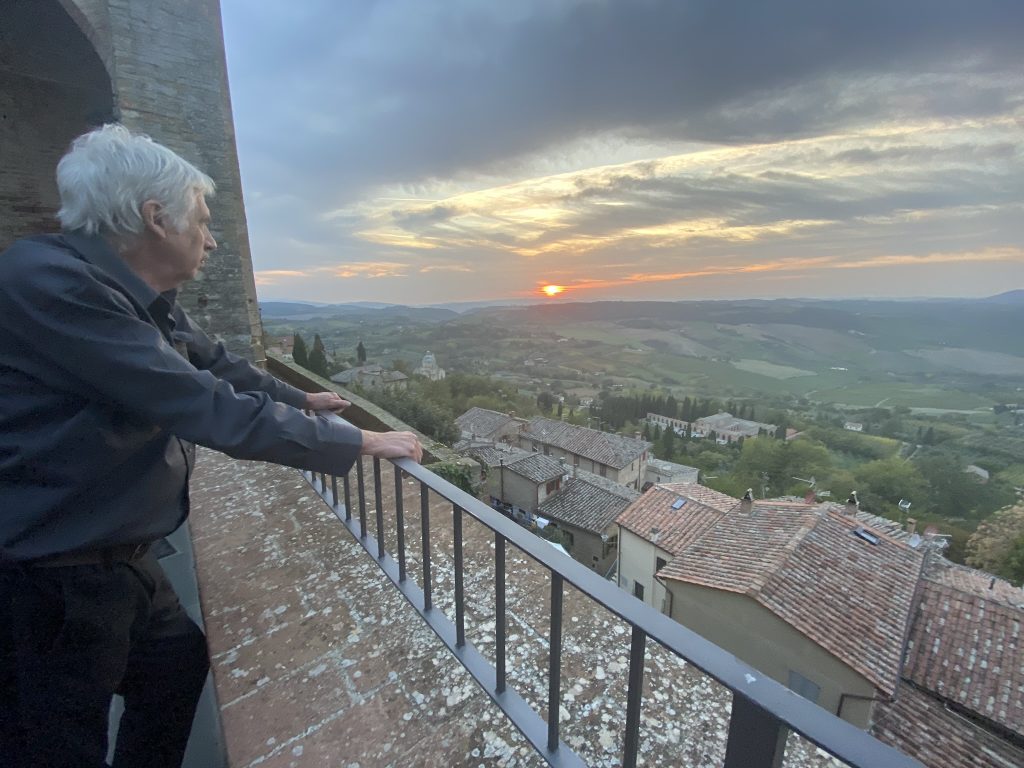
(631, 744)
(378, 500)
(499, 612)
(756, 738)
(425, 530)
(555, 662)
(361, 489)
(460, 598)
(346, 485)
(400, 523)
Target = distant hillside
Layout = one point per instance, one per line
(1010, 297)
(289, 310)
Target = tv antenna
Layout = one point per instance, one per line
(810, 482)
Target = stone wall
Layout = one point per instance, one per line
(157, 66)
(52, 88)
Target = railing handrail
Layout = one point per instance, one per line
(833, 734)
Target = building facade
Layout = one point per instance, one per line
(728, 429)
(428, 368)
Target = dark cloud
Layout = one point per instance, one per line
(385, 92)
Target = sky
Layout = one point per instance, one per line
(427, 152)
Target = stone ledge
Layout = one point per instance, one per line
(366, 415)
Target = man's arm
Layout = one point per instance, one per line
(207, 355)
(59, 309)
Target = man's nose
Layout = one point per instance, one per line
(210, 243)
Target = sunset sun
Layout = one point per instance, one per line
(552, 290)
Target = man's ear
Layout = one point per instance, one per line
(152, 218)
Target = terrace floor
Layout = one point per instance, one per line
(319, 661)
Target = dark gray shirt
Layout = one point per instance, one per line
(104, 386)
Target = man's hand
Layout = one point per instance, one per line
(326, 401)
(392, 445)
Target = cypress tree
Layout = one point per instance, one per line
(299, 352)
(318, 358)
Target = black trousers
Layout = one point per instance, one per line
(70, 638)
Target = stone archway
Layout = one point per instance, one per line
(53, 87)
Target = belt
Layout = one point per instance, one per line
(121, 553)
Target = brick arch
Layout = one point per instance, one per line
(92, 18)
(53, 87)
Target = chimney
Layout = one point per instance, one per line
(852, 505)
(747, 502)
(637, 436)
(911, 525)
(810, 497)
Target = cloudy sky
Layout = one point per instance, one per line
(420, 152)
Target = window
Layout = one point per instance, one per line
(638, 590)
(603, 471)
(576, 460)
(547, 450)
(801, 685)
(659, 563)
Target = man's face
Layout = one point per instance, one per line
(186, 250)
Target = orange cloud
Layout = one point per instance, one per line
(274, 276)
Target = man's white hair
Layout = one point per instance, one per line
(110, 172)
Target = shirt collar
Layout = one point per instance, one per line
(98, 252)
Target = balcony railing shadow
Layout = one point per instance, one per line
(405, 544)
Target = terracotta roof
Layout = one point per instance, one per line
(482, 422)
(804, 562)
(536, 467)
(727, 421)
(967, 642)
(671, 468)
(603, 447)
(919, 725)
(652, 517)
(588, 501)
(492, 455)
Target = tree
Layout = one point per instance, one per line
(667, 445)
(361, 353)
(545, 401)
(997, 546)
(883, 482)
(559, 412)
(318, 358)
(299, 352)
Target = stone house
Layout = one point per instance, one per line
(816, 598)
(483, 425)
(618, 458)
(667, 422)
(728, 428)
(516, 481)
(585, 509)
(372, 377)
(659, 471)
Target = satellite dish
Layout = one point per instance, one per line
(915, 541)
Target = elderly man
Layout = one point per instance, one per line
(105, 385)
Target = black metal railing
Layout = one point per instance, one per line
(763, 710)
